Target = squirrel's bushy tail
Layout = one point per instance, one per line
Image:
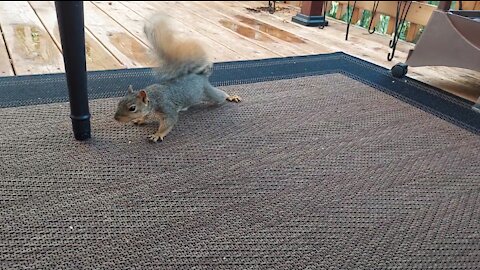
(177, 56)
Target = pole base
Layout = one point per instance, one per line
(81, 129)
(310, 20)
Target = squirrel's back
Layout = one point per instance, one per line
(177, 56)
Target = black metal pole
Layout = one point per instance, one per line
(72, 35)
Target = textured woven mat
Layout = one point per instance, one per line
(322, 172)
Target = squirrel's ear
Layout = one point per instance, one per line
(130, 89)
(142, 95)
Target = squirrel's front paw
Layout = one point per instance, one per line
(138, 122)
(234, 98)
(155, 138)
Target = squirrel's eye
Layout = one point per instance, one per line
(132, 108)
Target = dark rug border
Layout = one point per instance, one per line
(50, 88)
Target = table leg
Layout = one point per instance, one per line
(72, 35)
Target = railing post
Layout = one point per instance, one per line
(72, 35)
(311, 14)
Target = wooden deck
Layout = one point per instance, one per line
(229, 31)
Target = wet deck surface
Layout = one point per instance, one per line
(229, 31)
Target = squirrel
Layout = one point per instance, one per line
(184, 72)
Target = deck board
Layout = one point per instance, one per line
(129, 50)
(31, 48)
(115, 39)
(217, 51)
(97, 56)
(6, 68)
(277, 30)
(132, 17)
(221, 35)
(251, 33)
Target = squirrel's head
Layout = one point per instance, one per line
(134, 105)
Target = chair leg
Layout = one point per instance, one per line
(72, 34)
(476, 107)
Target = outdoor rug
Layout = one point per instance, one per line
(328, 163)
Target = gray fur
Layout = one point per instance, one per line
(180, 94)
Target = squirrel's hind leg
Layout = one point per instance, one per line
(218, 96)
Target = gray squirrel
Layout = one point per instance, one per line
(184, 70)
